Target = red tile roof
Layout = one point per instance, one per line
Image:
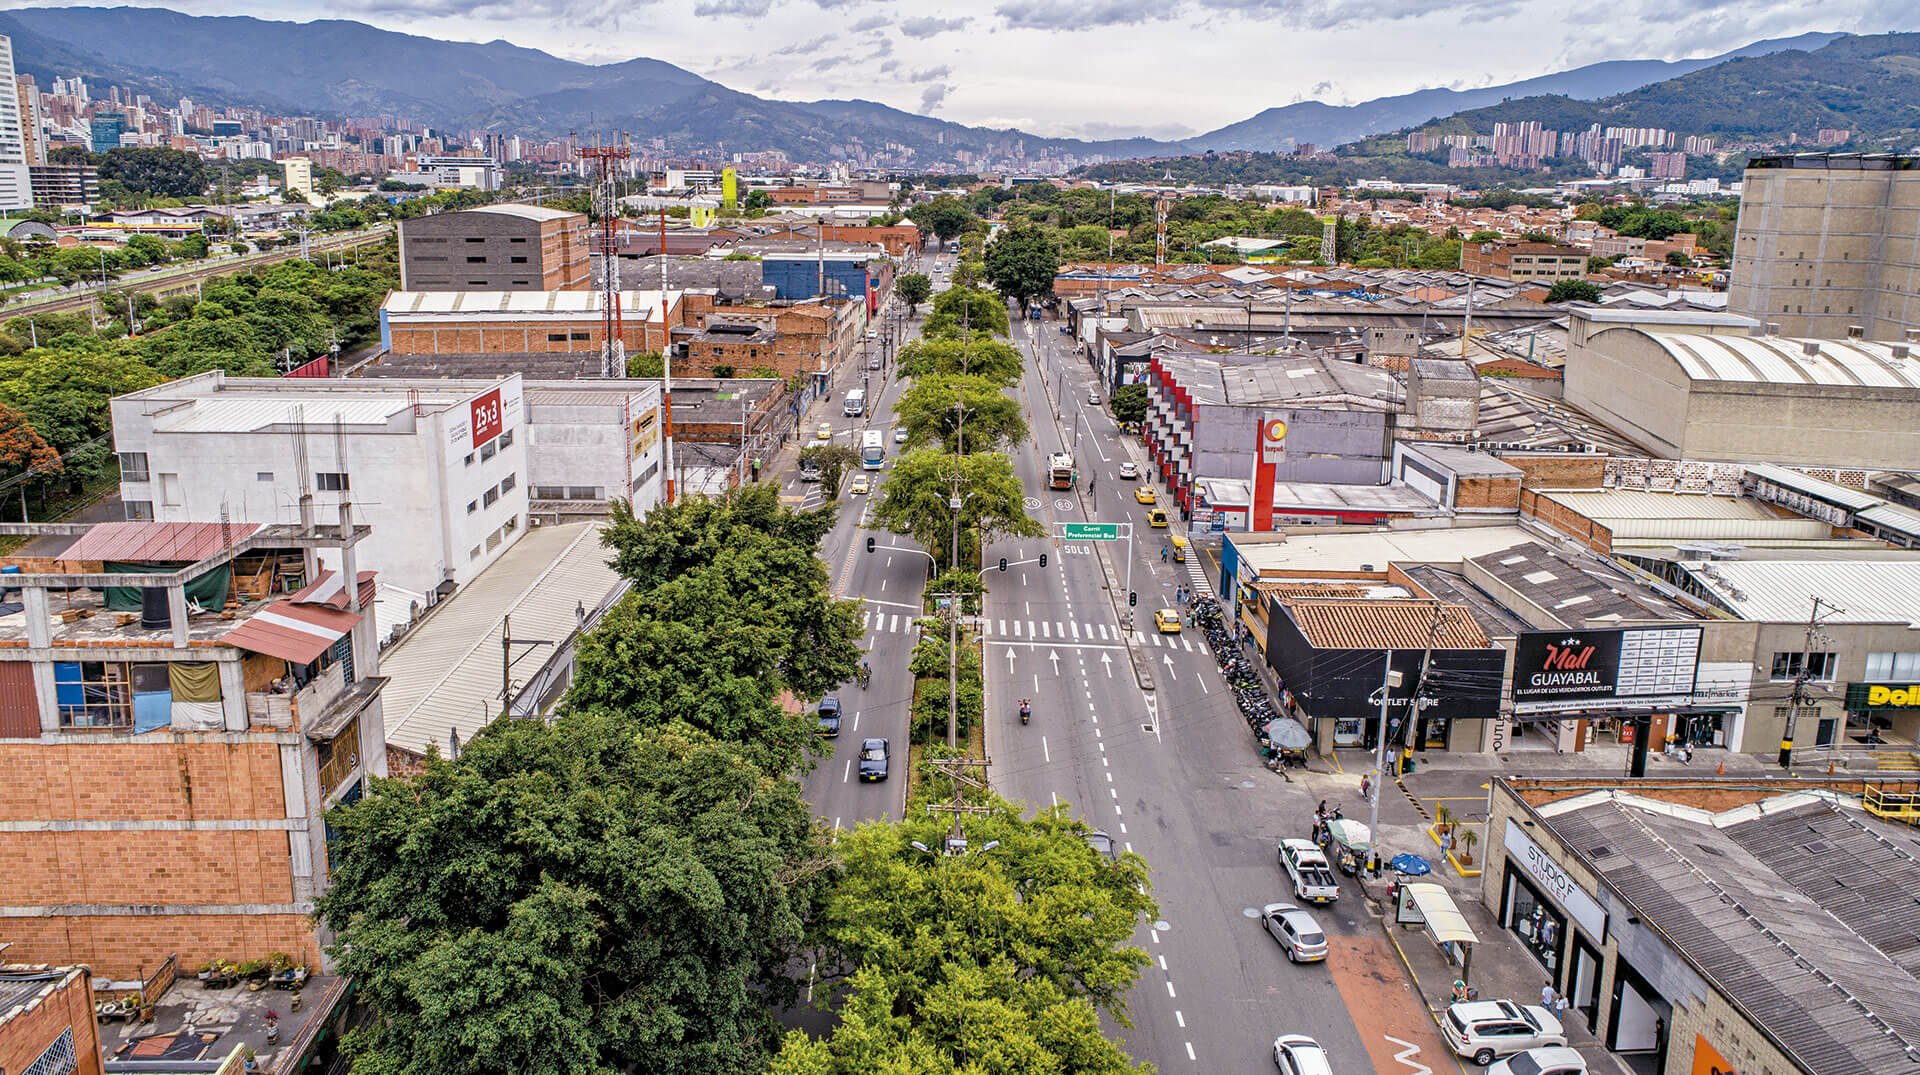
(157, 542)
(1395, 624)
(292, 631)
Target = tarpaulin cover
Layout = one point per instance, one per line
(209, 590)
(194, 681)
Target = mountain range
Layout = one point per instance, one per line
(344, 68)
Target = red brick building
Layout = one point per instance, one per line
(1523, 262)
(46, 1020)
(517, 322)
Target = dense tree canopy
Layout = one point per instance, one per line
(949, 408)
(914, 288)
(945, 216)
(943, 357)
(1022, 262)
(1574, 291)
(922, 482)
(961, 309)
(572, 897)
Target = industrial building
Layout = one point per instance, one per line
(506, 247)
(461, 322)
(1524, 262)
(1829, 242)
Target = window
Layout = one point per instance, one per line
(507, 483)
(479, 240)
(517, 240)
(431, 257)
(518, 259)
(579, 335)
(469, 458)
(1819, 666)
(480, 260)
(331, 483)
(556, 337)
(476, 283)
(133, 467)
(1887, 667)
(170, 489)
(523, 283)
(490, 497)
(506, 439)
(489, 449)
(493, 541)
(472, 506)
(512, 524)
(263, 475)
(139, 511)
(59, 1059)
(549, 492)
(474, 554)
(93, 694)
(583, 492)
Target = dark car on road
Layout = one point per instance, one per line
(829, 716)
(873, 759)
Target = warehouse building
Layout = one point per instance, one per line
(507, 247)
(521, 322)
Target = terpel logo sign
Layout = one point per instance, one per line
(486, 417)
(1275, 431)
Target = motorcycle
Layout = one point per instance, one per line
(1026, 711)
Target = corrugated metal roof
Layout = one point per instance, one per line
(249, 414)
(445, 676)
(292, 631)
(1345, 624)
(149, 542)
(1892, 516)
(467, 305)
(1781, 591)
(1819, 488)
(526, 212)
(1789, 360)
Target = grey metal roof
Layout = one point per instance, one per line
(1818, 488)
(1781, 591)
(1577, 591)
(1836, 1003)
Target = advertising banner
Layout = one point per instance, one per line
(1611, 668)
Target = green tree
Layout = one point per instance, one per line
(970, 309)
(1595, 264)
(646, 364)
(946, 216)
(23, 450)
(943, 357)
(833, 461)
(1130, 403)
(919, 488)
(913, 288)
(572, 897)
(1574, 291)
(1679, 260)
(1000, 960)
(673, 539)
(1484, 236)
(165, 173)
(934, 409)
(757, 200)
(1021, 264)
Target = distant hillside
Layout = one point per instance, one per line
(1331, 125)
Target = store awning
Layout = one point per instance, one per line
(294, 632)
(1444, 920)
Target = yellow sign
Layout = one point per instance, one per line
(1893, 696)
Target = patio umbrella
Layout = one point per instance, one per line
(1351, 834)
(1285, 733)
(1411, 864)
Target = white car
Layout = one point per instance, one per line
(1297, 1054)
(900, 435)
(1130, 470)
(1552, 1060)
(1485, 1030)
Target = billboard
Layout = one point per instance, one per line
(486, 418)
(1610, 668)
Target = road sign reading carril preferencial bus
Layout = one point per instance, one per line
(1091, 531)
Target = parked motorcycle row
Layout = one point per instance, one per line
(1243, 679)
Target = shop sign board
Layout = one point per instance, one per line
(1556, 882)
(1611, 668)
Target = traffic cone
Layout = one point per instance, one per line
(1722, 771)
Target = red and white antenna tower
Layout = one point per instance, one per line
(606, 204)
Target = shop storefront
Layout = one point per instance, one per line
(1562, 925)
(1878, 712)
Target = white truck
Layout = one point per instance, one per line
(1312, 875)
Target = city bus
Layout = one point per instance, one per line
(873, 449)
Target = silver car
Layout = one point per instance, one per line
(1299, 935)
(1297, 1054)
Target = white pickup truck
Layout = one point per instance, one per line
(1312, 876)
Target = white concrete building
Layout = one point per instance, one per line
(16, 185)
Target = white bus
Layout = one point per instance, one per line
(856, 404)
(873, 449)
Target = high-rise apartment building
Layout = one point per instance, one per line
(16, 186)
(1829, 242)
(32, 119)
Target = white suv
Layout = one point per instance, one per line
(1486, 1030)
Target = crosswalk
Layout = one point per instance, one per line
(1197, 573)
(1058, 632)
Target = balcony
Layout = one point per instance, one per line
(270, 710)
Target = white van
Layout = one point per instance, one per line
(856, 404)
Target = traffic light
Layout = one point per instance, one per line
(869, 544)
(1133, 598)
(1003, 563)
(1043, 559)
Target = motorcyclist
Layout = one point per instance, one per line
(1026, 710)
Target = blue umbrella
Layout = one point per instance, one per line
(1410, 864)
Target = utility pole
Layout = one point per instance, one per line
(1815, 637)
(1387, 682)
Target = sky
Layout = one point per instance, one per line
(1101, 68)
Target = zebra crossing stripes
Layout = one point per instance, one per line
(1058, 632)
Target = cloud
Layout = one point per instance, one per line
(932, 97)
(799, 48)
(752, 9)
(871, 22)
(931, 74)
(601, 13)
(889, 67)
(1077, 14)
(927, 26)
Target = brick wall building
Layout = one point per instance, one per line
(1523, 262)
(166, 784)
(506, 247)
(46, 1020)
(510, 322)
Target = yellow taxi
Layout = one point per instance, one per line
(1157, 517)
(825, 432)
(1144, 494)
(1179, 548)
(1167, 620)
(860, 485)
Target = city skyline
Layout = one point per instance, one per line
(1076, 70)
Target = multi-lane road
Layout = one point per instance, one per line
(1136, 732)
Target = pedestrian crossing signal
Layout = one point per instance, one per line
(1043, 559)
(1003, 563)
(1133, 598)
(869, 544)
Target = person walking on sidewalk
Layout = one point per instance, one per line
(1366, 787)
(1547, 995)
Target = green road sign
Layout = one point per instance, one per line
(1092, 531)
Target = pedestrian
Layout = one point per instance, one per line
(1560, 1008)
(1366, 787)
(1393, 731)
(1546, 995)
(1163, 554)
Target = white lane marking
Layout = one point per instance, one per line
(1203, 687)
(1179, 1018)
(847, 776)
(1109, 775)
(1129, 846)
(1163, 962)
(883, 582)
(1046, 629)
(856, 720)
(836, 824)
(1076, 630)
(1116, 808)
(1110, 791)
(1408, 1051)
(1054, 797)
(1123, 830)
(1003, 627)
(1045, 754)
(1170, 991)
(1190, 1055)
(1103, 750)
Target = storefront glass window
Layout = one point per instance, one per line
(1531, 918)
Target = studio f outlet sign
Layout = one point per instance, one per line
(1617, 668)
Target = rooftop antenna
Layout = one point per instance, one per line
(606, 201)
